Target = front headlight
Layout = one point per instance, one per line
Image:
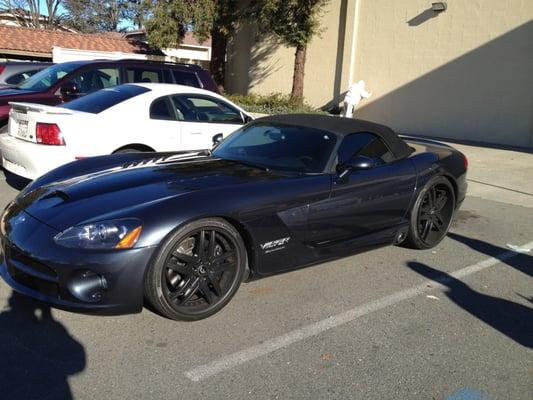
(115, 234)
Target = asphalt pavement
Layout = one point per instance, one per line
(455, 322)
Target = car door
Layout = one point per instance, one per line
(92, 79)
(202, 117)
(366, 201)
(163, 129)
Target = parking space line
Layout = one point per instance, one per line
(251, 353)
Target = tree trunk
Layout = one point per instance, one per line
(217, 67)
(299, 74)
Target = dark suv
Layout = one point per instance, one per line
(61, 83)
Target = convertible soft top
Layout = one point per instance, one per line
(343, 126)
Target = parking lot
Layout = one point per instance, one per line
(455, 322)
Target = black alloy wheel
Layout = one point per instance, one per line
(432, 214)
(198, 270)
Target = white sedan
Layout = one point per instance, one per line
(125, 118)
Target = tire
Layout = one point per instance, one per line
(187, 283)
(432, 214)
(3, 129)
(128, 150)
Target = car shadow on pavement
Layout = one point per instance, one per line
(15, 181)
(521, 261)
(37, 354)
(511, 319)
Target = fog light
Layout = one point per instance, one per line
(87, 286)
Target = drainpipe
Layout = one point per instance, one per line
(354, 42)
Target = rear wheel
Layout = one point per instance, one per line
(432, 214)
(197, 271)
(128, 150)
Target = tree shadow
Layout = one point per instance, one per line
(521, 262)
(248, 53)
(37, 354)
(511, 319)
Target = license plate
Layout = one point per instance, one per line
(22, 130)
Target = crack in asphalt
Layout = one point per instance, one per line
(500, 187)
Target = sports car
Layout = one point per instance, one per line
(181, 231)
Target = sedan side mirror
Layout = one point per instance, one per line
(246, 118)
(354, 164)
(69, 88)
(217, 139)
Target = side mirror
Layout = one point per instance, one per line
(354, 164)
(217, 139)
(246, 118)
(69, 88)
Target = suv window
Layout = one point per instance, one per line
(144, 75)
(160, 109)
(47, 77)
(198, 108)
(20, 77)
(95, 79)
(364, 144)
(186, 78)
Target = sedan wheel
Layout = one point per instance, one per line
(198, 270)
(432, 214)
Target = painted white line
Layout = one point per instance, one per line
(233, 360)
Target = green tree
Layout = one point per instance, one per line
(168, 21)
(28, 12)
(295, 23)
(96, 15)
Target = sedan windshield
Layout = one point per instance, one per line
(44, 79)
(279, 147)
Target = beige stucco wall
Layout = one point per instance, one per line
(464, 74)
(256, 63)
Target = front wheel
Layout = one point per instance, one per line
(197, 271)
(432, 214)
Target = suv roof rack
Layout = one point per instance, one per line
(192, 66)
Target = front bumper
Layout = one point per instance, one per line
(34, 265)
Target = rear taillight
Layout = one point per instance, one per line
(48, 134)
(466, 162)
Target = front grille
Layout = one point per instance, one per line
(30, 273)
(29, 262)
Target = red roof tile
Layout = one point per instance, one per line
(42, 41)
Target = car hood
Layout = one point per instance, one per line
(121, 190)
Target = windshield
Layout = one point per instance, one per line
(106, 98)
(44, 79)
(279, 147)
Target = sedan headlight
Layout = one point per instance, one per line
(115, 234)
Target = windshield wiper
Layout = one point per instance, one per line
(250, 164)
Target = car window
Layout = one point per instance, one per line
(197, 108)
(144, 75)
(47, 77)
(20, 77)
(186, 78)
(279, 147)
(160, 109)
(95, 79)
(106, 98)
(364, 144)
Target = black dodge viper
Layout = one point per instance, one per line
(183, 230)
